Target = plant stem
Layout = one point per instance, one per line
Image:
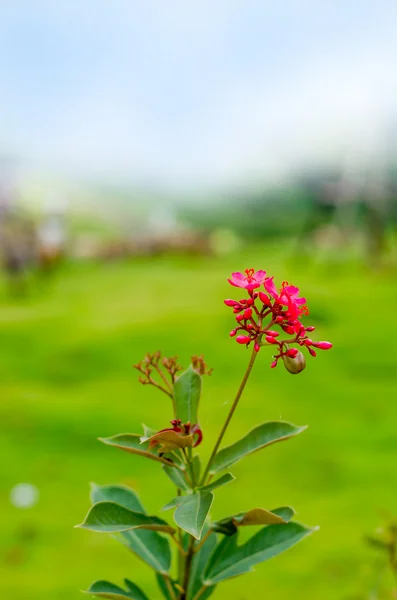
(169, 587)
(205, 538)
(230, 415)
(188, 565)
(200, 592)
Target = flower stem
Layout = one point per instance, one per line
(188, 566)
(230, 415)
(169, 587)
(200, 592)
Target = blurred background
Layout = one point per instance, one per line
(148, 149)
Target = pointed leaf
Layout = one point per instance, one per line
(174, 502)
(223, 480)
(230, 560)
(105, 589)
(187, 391)
(261, 436)
(255, 516)
(150, 546)
(131, 442)
(148, 431)
(168, 441)
(177, 477)
(199, 563)
(109, 517)
(121, 494)
(192, 512)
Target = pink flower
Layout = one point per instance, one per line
(249, 281)
(288, 293)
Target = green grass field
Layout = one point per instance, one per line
(66, 378)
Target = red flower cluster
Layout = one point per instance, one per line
(284, 309)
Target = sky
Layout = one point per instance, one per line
(195, 94)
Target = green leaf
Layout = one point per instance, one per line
(151, 547)
(255, 516)
(109, 517)
(192, 512)
(104, 589)
(174, 502)
(223, 480)
(165, 588)
(148, 431)
(199, 563)
(176, 477)
(130, 442)
(229, 559)
(187, 391)
(261, 436)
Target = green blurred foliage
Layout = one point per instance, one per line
(66, 376)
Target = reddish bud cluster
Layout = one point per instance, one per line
(281, 308)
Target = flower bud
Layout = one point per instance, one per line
(294, 365)
(274, 364)
(233, 332)
(270, 339)
(257, 347)
(247, 313)
(264, 298)
(289, 329)
(322, 345)
(310, 328)
(230, 302)
(243, 339)
(292, 352)
(272, 333)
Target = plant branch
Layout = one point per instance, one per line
(170, 587)
(230, 415)
(188, 565)
(205, 538)
(200, 592)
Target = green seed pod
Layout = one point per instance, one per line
(295, 365)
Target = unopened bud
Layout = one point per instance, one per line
(292, 352)
(289, 329)
(264, 298)
(247, 313)
(230, 302)
(272, 333)
(257, 347)
(311, 328)
(270, 339)
(294, 365)
(243, 339)
(274, 364)
(312, 352)
(322, 345)
(233, 332)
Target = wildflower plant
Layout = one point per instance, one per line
(207, 552)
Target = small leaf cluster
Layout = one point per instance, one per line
(207, 552)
